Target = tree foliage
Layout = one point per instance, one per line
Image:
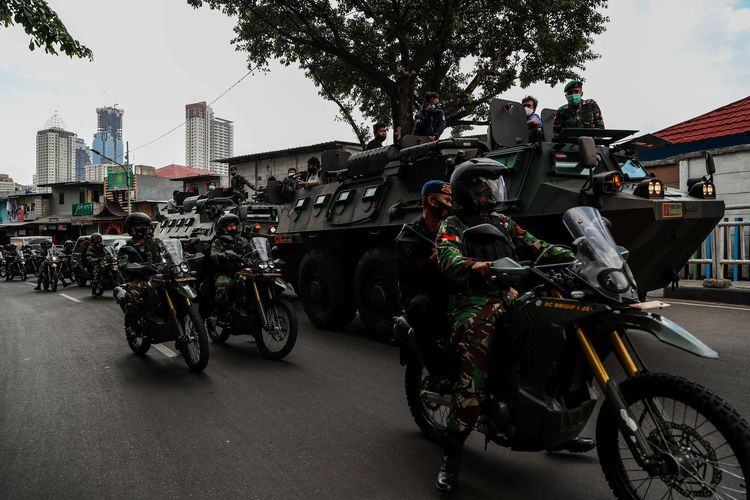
(381, 56)
(43, 25)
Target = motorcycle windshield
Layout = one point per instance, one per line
(598, 261)
(263, 246)
(110, 251)
(53, 251)
(174, 249)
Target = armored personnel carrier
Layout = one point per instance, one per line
(338, 238)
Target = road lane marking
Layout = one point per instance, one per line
(714, 306)
(30, 283)
(68, 297)
(165, 350)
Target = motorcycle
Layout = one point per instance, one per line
(33, 260)
(49, 269)
(256, 308)
(168, 312)
(109, 272)
(658, 435)
(16, 267)
(3, 264)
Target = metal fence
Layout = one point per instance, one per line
(724, 253)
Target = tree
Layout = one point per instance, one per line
(381, 56)
(44, 26)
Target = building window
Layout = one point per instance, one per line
(62, 198)
(81, 196)
(95, 196)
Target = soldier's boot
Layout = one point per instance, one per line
(38, 283)
(450, 467)
(575, 445)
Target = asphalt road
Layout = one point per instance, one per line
(82, 417)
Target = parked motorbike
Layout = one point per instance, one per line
(658, 435)
(109, 272)
(168, 312)
(256, 308)
(16, 267)
(49, 270)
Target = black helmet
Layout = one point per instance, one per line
(69, 244)
(138, 219)
(477, 186)
(224, 221)
(96, 238)
(45, 244)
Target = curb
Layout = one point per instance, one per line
(736, 296)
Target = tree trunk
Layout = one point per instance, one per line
(402, 109)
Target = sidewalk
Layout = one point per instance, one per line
(738, 293)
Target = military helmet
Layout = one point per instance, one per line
(478, 186)
(136, 219)
(226, 220)
(96, 238)
(69, 244)
(45, 244)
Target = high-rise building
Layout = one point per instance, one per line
(55, 154)
(108, 137)
(207, 138)
(6, 184)
(222, 144)
(83, 158)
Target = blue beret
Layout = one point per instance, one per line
(440, 187)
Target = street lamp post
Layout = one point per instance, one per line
(125, 169)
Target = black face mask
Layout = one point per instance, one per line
(441, 210)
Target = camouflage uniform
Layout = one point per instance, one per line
(151, 251)
(240, 246)
(94, 254)
(585, 115)
(474, 310)
(238, 186)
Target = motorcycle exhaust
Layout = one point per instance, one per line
(437, 398)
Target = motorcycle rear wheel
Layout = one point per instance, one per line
(137, 343)
(218, 334)
(431, 418)
(195, 350)
(279, 313)
(704, 439)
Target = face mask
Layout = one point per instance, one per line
(574, 99)
(528, 111)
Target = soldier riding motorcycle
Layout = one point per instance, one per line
(656, 433)
(66, 257)
(106, 272)
(158, 298)
(247, 287)
(49, 271)
(15, 263)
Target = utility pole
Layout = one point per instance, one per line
(130, 169)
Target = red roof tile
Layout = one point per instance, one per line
(734, 118)
(176, 171)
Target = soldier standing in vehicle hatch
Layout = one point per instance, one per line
(238, 184)
(579, 112)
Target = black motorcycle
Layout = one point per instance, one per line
(658, 435)
(16, 266)
(168, 312)
(3, 264)
(256, 307)
(33, 259)
(49, 270)
(109, 272)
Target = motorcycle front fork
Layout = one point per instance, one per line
(173, 313)
(259, 300)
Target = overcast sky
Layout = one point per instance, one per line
(663, 61)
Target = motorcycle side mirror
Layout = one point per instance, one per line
(484, 231)
(280, 262)
(274, 249)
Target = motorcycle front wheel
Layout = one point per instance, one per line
(702, 441)
(136, 341)
(195, 350)
(277, 341)
(53, 283)
(430, 417)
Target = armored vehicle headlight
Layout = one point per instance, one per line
(704, 189)
(272, 229)
(607, 183)
(650, 188)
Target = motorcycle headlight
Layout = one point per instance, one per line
(263, 266)
(614, 280)
(184, 267)
(54, 259)
(272, 229)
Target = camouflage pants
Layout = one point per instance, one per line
(473, 329)
(96, 274)
(134, 292)
(223, 287)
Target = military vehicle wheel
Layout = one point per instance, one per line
(376, 291)
(325, 291)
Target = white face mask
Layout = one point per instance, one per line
(528, 111)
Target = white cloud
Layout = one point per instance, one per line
(663, 61)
